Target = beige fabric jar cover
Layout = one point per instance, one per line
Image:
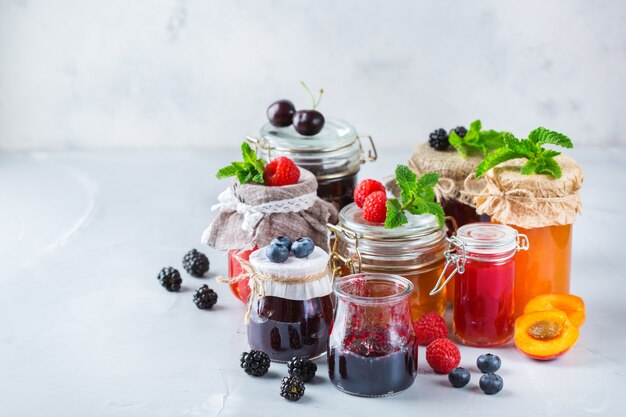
(254, 214)
(452, 170)
(531, 201)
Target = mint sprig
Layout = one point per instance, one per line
(250, 170)
(417, 196)
(540, 160)
(476, 140)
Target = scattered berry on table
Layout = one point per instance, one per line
(459, 377)
(491, 383)
(438, 140)
(170, 278)
(205, 298)
(365, 188)
(429, 327)
(488, 363)
(292, 388)
(280, 113)
(302, 247)
(375, 207)
(196, 263)
(255, 363)
(443, 356)
(277, 253)
(302, 368)
(460, 130)
(283, 240)
(281, 171)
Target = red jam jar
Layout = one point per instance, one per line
(334, 155)
(372, 350)
(291, 309)
(240, 288)
(481, 259)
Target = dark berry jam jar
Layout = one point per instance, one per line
(334, 155)
(291, 308)
(481, 259)
(372, 350)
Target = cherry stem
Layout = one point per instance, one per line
(315, 103)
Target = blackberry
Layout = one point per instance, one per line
(255, 362)
(205, 298)
(292, 388)
(303, 368)
(438, 140)
(460, 130)
(170, 279)
(196, 263)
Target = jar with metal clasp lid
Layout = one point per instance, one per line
(414, 251)
(334, 155)
(481, 259)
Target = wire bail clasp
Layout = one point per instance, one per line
(452, 258)
(522, 242)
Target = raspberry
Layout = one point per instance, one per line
(365, 188)
(375, 207)
(281, 171)
(429, 327)
(443, 356)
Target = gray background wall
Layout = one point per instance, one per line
(191, 73)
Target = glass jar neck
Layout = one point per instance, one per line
(373, 289)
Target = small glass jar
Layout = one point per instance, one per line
(334, 155)
(240, 288)
(482, 256)
(414, 251)
(372, 350)
(291, 311)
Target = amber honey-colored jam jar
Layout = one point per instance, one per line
(334, 155)
(414, 251)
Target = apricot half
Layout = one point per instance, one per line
(572, 305)
(545, 335)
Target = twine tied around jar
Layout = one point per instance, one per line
(256, 279)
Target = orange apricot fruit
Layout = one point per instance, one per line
(545, 335)
(572, 305)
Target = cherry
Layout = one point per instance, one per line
(280, 113)
(309, 122)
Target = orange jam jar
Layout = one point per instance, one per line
(414, 251)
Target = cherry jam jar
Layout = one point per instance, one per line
(334, 155)
(481, 259)
(372, 350)
(291, 309)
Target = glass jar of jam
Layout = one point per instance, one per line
(240, 288)
(481, 259)
(291, 309)
(334, 155)
(372, 350)
(414, 251)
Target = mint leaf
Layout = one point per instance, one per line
(550, 166)
(250, 170)
(437, 210)
(457, 142)
(226, 172)
(395, 215)
(495, 158)
(476, 125)
(530, 167)
(405, 178)
(543, 136)
(476, 140)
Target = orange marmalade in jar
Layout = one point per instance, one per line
(414, 251)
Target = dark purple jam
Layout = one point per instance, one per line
(462, 213)
(286, 328)
(338, 191)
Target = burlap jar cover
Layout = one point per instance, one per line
(254, 214)
(530, 201)
(452, 170)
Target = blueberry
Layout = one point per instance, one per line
(283, 240)
(277, 253)
(488, 363)
(491, 383)
(459, 377)
(302, 247)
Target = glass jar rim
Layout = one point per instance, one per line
(335, 135)
(372, 276)
(488, 238)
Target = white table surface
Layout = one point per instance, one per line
(86, 329)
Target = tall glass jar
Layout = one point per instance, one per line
(481, 259)
(291, 309)
(414, 251)
(334, 155)
(372, 349)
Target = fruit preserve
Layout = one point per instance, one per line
(290, 306)
(334, 155)
(240, 287)
(414, 251)
(372, 350)
(482, 262)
